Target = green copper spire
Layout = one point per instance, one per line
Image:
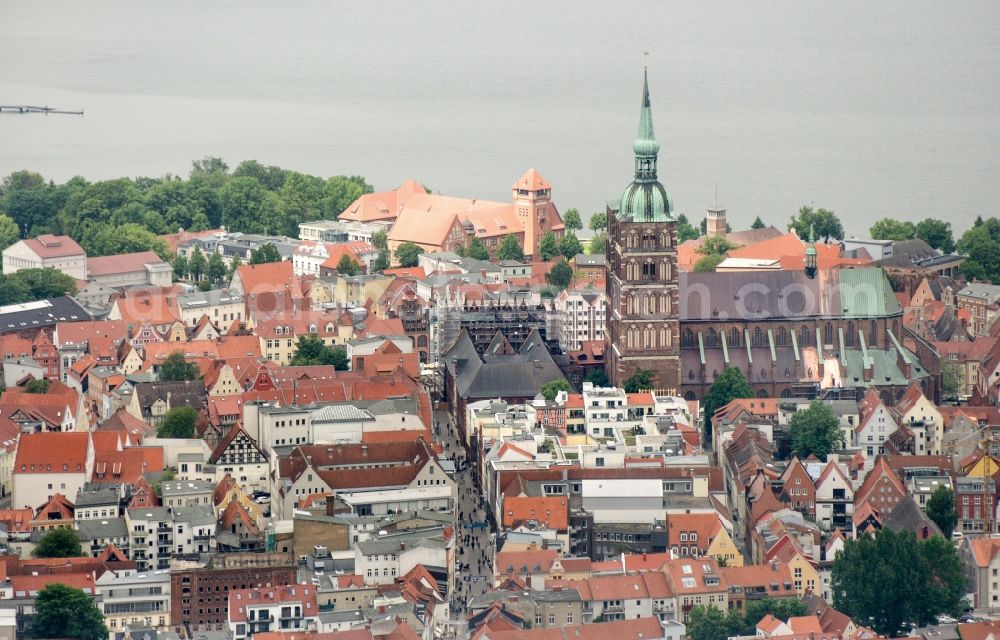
(645, 142)
(645, 200)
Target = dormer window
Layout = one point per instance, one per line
(312, 328)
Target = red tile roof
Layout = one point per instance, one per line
(241, 599)
(552, 512)
(50, 246)
(29, 586)
(258, 278)
(122, 263)
(52, 452)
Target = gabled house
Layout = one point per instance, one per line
(875, 426)
(701, 534)
(918, 413)
(882, 489)
(151, 400)
(834, 497)
(238, 455)
(798, 489)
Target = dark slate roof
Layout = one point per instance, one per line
(906, 516)
(512, 375)
(908, 252)
(42, 313)
(750, 295)
(190, 393)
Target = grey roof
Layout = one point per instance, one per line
(42, 313)
(906, 516)
(981, 290)
(201, 299)
(98, 529)
(341, 413)
(908, 252)
(751, 295)
(187, 487)
(190, 393)
(90, 496)
(501, 375)
(161, 514)
(384, 546)
(201, 514)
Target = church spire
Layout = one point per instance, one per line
(645, 199)
(646, 146)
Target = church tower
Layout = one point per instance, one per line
(715, 222)
(532, 199)
(642, 325)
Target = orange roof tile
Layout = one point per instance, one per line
(552, 512)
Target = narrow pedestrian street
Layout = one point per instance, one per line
(474, 550)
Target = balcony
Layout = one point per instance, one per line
(204, 538)
(614, 608)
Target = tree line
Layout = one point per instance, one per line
(127, 214)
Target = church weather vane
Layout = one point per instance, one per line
(645, 59)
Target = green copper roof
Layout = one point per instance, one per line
(811, 247)
(645, 142)
(866, 293)
(645, 199)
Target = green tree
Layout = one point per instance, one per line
(311, 350)
(216, 269)
(176, 368)
(571, 220)
(716, 246)
(179, 422)
(408, 254)
(44, 283)
(302, 200)
(815, 431)
(264, 254)
(641, 380)
(9, 233)
(570, 247)
(13, 290)
(926, 580)
(234, 264)
(941, 509)
(381, 263)
(348, 266)
(597, 377)
(510, 249)
(478, 250)
(37, 385)
(685, 231)
(380, 240)
(249, 207)
(58, 543)
(341, 191)
(890, 229)
(731, 384)
(598, 244)
(708, 263)
(107, 239)
(705, 622)
(936, 233)
(548, 248)
(180, 266)
(553, 387)
(67, 612)
(273, 178)
(197, 265)
(951, 378)
(560, 275)
(599, 221)
(758, 223)
(826, 223)
(981, 245)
